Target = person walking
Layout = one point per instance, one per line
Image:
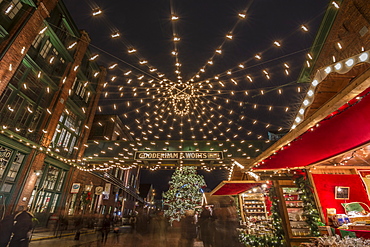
(78, 221)
(6, 226)
(188, 230)
(132, 222)
(206, 227)
(105, 229)
(21, 229)
(226, 222)
(159, 229)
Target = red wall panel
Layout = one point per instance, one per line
(325, 185)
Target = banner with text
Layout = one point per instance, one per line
(175, 155)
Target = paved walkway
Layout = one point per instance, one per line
(125, 238)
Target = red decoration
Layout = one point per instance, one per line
(88, 197)
(333, 136)
(268, 205)
(234, 188)
(325, 186)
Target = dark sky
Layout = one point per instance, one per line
(237, 97)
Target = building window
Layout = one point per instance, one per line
(10, 111)
(10, 164)
(67, 132)
(60, 182)
(35, 119)
(4, 98)
(5, 155)
(45, 49)
(44, 198)
(54, 203)
(38, 40)
(15, 167)
(13, 8)
(51, 177)
(25, 114)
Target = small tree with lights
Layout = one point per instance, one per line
(185, 192)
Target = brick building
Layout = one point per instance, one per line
(49, 91)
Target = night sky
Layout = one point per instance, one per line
(249, 84)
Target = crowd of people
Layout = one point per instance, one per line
(214, 225)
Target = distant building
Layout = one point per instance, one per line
(109, 127)
(147, 192)
(124, 182)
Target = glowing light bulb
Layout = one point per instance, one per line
(350, 62)
(277, 43)
(94, 57)
(328, 70)
(242, 15)
(338, 66)
(115, 35)
(72, 45)
(10, 7)
(97, 12)
(364, 56)
(43, 30)
(304, 28)
(335, 4)
(113, 66)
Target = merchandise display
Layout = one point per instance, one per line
(256, 218)
(295, 210)
(337, 241)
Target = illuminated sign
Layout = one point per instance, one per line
(176, 155)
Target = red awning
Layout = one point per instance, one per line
(335, 135)
(234, 187)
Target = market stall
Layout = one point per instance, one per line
(253, 204)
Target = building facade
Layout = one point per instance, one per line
(49, 92)
(124, 180)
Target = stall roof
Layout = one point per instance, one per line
(235, 187)
(346, 130)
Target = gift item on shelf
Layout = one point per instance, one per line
(256, 218)
(356, 208)
(337, 241)
(295, 211)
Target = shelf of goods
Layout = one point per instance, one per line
(294, 207)
(255, 216)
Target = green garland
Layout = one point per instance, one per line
(251, 240)
(276, 218)
(310, 211)
(275, 240)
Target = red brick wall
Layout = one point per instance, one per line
(32, 26)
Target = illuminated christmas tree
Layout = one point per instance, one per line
(185, 192)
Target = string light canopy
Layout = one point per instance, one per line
(177, 74)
